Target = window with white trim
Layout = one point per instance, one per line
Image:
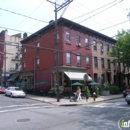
(88, 61)
(68, 58)
(38, 47)
(86, 42)
(78, 59)
(68, 37)
(37, 63)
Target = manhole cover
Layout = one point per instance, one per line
(23, 120)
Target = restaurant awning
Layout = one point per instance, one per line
(13, 77)
(78, 76)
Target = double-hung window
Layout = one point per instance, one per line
(102, 62)
(88, 61)
(108, 64)
(94, 45)
(78, 40)
(68, 37)
(107, 47)
(38, 47)
(101, 47)
(24, 52)
(78, 59)
(95, 62)
(37, 63)
(24, 66)
(68, 58)
(86, 42)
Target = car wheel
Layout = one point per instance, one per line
(11, 95)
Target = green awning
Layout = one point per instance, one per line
(13, 77)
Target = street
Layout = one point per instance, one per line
(26, 114)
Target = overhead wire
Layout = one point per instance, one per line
(101, 11)
(23, 15)
(30, 14)
(93, 10)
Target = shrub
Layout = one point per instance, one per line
(114, 90)
(96, 90)
(87, 92)
(106, 86)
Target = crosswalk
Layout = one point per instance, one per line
(11, 108)
(116, 105)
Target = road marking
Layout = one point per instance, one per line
(111, 105)
(21, 105)
(26, 108)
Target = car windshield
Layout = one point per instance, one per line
(16, 89)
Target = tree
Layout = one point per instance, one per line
(121, 49)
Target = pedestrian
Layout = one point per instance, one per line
(78, 92)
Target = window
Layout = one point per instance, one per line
(101, 47)
(24, 52)
(78, 59)
(108, 63)
(38, 47)
(87, 42)
(68, 37)
(68, 58)
(102, 62)
(24, 66)
(94, 45)
(95, 77)
(16, 66)
(37, 63)
(102, 79)
(107, 47)
(88, 61)
(77, 40)
(95, 62)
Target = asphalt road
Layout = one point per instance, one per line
(26, 114)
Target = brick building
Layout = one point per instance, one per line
(38, 54)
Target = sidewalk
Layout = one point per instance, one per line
(66, 101)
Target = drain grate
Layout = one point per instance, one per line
(23, 120)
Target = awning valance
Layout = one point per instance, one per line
(13, 77)
(78, 76)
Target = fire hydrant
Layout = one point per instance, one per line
(94, 96)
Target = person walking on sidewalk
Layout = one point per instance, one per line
(78, 92)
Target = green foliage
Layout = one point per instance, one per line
(121, 49)
(96, 90)
(52, 90)
(114, 90)
(87, 92)
(106, 86)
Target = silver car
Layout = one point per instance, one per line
(127, 99)
(14, 92)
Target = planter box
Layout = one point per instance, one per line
(105, 92)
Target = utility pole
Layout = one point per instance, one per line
(4, 64)
(56, 41)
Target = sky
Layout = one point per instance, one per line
(104, 16)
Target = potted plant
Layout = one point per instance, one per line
(87, 92)
(106, 90)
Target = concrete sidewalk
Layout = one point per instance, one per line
(66, 101)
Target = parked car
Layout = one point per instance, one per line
(14, 92)
(2, 89)
(126, 91)
(127, 99)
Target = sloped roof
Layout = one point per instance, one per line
(72, 25)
